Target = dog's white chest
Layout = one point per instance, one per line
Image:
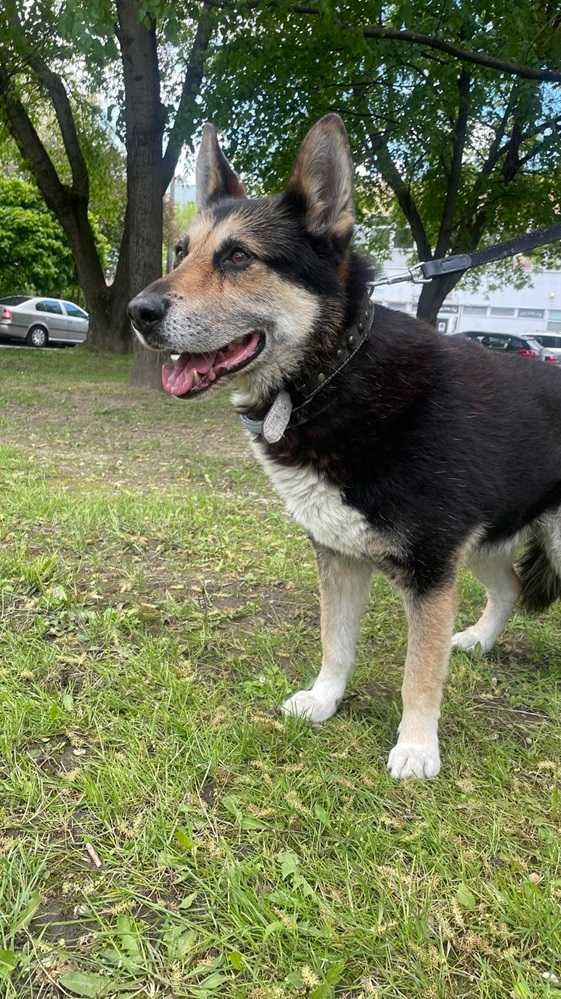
(317, 506)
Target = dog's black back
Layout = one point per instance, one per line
(438, 437)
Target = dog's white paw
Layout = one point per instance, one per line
(314, 706)
(472, 640)
(414, 760)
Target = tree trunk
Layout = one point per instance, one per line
(68, 204)
(433, 295)
(145, 128)
(147, 366)
(104, 333)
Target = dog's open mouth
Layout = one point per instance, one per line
(192, 374)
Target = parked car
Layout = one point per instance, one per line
(551, 342)
(40, 321)
(523, 344)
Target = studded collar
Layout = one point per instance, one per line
(283, 413)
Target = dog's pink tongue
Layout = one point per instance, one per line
(177, 376)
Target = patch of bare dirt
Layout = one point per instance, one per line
(506, 716)
(115, 434)
(57, 757)
(56, 921)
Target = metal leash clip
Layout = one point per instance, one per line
(414, 274)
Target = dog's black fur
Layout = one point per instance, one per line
(433, 435)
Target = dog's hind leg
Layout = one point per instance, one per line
(344, 589)
(494, 569)
(430, 620)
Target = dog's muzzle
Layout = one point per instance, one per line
(146, 313)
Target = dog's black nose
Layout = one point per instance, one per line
(147, 310)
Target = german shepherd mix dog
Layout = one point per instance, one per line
(395, 448)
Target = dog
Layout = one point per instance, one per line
(395, 448)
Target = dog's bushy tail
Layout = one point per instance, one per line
(540, 579)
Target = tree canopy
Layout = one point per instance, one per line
(460, 154)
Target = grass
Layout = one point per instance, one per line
(157, 606)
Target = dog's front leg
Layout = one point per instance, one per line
(344, 589)
(430, 619)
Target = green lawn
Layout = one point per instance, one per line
(157, 606)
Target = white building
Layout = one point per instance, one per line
(535, 308)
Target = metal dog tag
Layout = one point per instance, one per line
(278, 418)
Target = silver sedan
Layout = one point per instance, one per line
(40, 321)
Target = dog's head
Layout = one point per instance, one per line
(254, 278)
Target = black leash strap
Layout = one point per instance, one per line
(431, 269)
(461, 262)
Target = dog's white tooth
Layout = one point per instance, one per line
(196, 377)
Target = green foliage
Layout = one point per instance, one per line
(63, 72)
(34, 254)
(105, 161)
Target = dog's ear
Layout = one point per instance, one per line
(214, 175)
(322, 179)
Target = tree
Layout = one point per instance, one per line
(121, 49)
(105, 161)
(462, 151)
(447, 116)
(34, 254)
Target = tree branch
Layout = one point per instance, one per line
(54, 86)
(403, 194)
(454, 176)
(495, 149)
(30, 146)
(433, 42)
(541, 127)
(536, 149)
(70, 209)
(56, 90)
(183, 124)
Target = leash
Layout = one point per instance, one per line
(431, 269)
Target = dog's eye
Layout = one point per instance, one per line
(238, 258)
(181, 249)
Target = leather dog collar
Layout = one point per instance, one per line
(283, 414)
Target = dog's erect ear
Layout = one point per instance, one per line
(322, 179)
(214, 175)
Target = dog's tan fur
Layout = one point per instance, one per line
(430, 621)
(344, 588)
(430, 624)
(196, 278)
